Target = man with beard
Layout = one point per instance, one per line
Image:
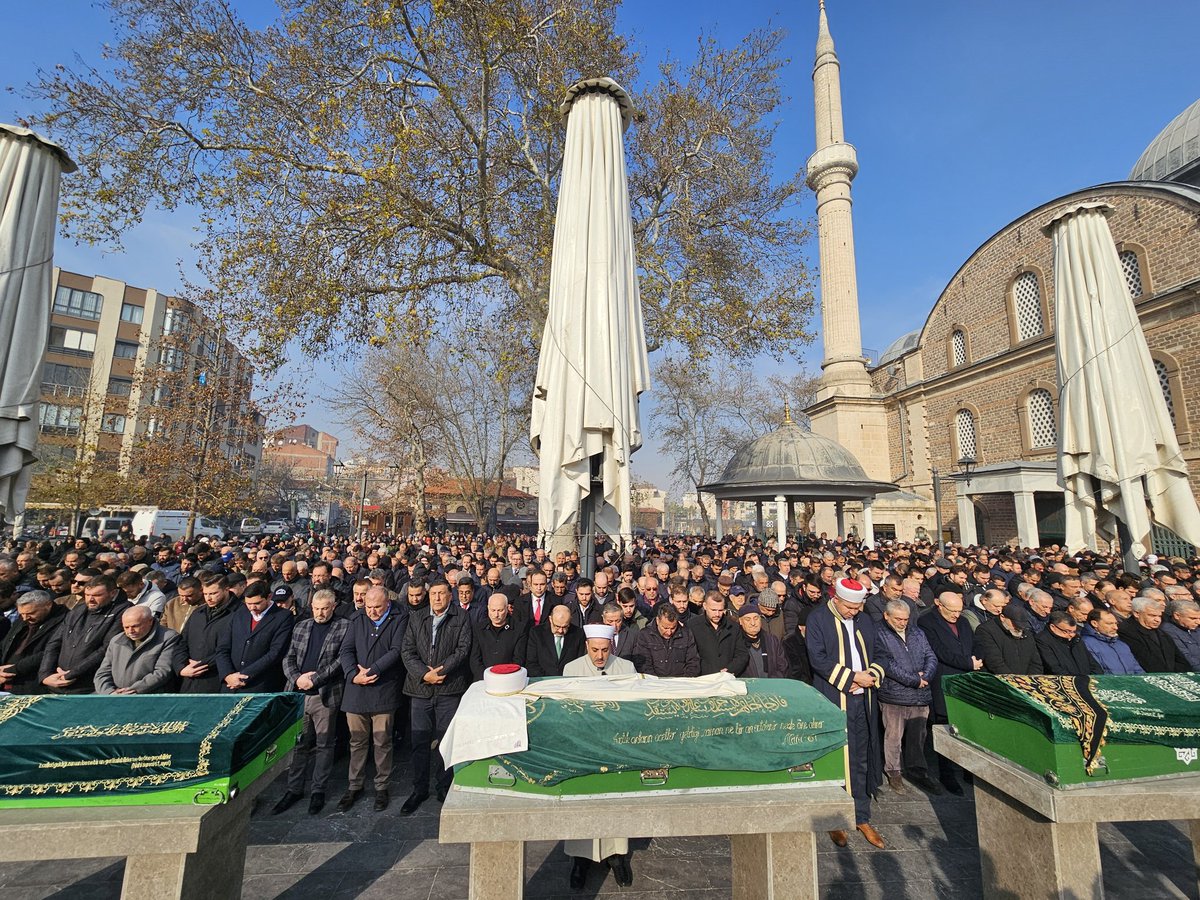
(201, 633)
(21, 650)
(76, 650)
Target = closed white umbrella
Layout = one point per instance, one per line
(593, 362)
(1116, 443)
(30, 169)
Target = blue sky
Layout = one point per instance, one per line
(964, 115)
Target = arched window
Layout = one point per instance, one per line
(964, 427)
(1027, 304)
(1132, 270)
(1164, 382)
(1043, 430)
(958, 348)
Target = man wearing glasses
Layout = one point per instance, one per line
(1061, 648)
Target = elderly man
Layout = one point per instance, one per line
(437, 656)
(371, 660)
(1005, 644)
(1152, 648)
(765, 654)
(141, 660)
(953, 643)
(550, 649)
(21, 650)
(1061, 648)
(599, 660)
(301, 587)
(841, 648)
(1101, 639)
(891, 588)
(75, 651)
(718, 639)
(313, 667)
(905, 697)
(497, 639)
(1182, 625)
(665, 648)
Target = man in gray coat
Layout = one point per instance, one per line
(142, 659)
(313, 666)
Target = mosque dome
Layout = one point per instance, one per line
(1174, 155)
(899, 347)
(793, 461)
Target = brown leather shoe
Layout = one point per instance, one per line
(839, 837)
(872, 836)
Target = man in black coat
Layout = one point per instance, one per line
(201, 634)
(534, 607)
(953, 644)
(497, 639)
(250, 652)
(550, 649)
(1061, 648)
(75, 651)
(1152, 648)
(437, 656)
(1005, 643)
(21, 651)
(373, 668)
(718, 639)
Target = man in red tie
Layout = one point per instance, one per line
(535, 608)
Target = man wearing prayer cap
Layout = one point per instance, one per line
(841, 647)
(599, 659)
(615, 851)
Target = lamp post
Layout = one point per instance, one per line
(965, 466)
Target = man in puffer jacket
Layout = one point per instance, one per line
(1106, 648)
(904, 698)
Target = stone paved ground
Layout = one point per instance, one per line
(932, 853)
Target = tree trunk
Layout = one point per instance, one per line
(704, 512)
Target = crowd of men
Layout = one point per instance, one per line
(386, 635)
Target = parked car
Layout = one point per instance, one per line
(275, 526)
(173, 523)
(250, 527)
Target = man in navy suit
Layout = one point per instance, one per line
(250, 651)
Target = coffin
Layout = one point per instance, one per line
(156, 749)
(780, 734)
(1075, 731)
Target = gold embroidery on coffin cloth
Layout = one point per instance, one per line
(113, 784)
(1069, 707)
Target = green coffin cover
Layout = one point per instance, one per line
(165, 748)
(777, 725)
(1073, 730)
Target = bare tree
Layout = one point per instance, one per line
(364, 167)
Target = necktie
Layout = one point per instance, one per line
(537, 610)
(558, 645)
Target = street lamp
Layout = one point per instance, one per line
(965, 465)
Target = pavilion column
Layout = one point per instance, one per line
(966, 520)
(868, 539)
(720, 520)
(840, 514)
(758, 518)
(1027, 524)
(781, 519)
(792, 525)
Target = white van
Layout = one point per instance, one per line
(173, 523)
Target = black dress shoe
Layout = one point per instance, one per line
(348, 799)
(579, 872)
(619, 863)
(316, 803)
(286, 802)
(381, 799)
(410, 805)
(927, 784)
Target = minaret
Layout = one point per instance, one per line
(830, 170)
(847, 409)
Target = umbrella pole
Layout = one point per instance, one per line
(1125, 537)
(587, 520)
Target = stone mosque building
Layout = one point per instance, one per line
(978, 381)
